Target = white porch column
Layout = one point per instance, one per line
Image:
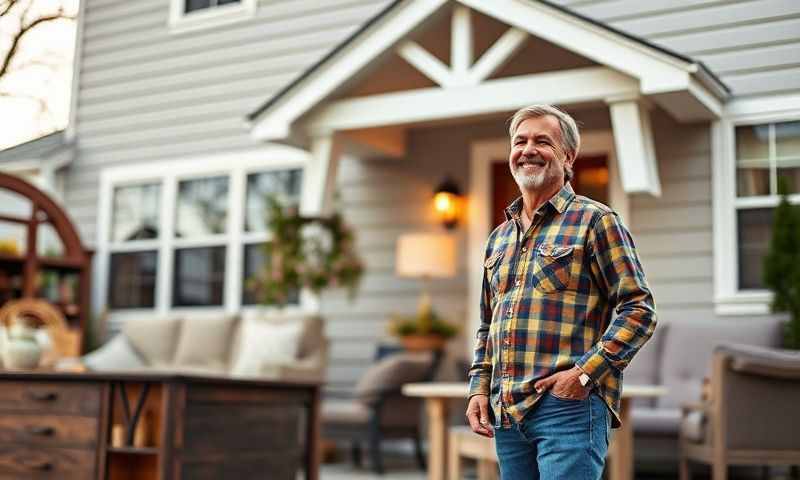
(319, 177)
(633, 138)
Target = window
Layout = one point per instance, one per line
(192, 237)
(756, 145)
(187, 15)
(134, 234)
(765, 153)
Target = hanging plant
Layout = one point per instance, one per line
(305, 252)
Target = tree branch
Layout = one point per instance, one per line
(8, 6)
(25, 29)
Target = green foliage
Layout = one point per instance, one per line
(782, 265)
(305, 252)
(404, 325)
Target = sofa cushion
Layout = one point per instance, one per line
(688, 348)
(311, 336)
(154, 339)
(390, 373)
(116, 354)
(266, 343)
(344, 412)
(656, 421)
(205, 342)
(693, 426)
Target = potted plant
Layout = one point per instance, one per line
(424, 331)
(782, 265)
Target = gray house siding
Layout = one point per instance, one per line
(146, 94)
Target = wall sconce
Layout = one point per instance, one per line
(447, 201)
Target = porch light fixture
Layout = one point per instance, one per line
(447, 201)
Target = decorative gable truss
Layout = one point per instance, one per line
(632, 76)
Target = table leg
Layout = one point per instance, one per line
(621, 448)
(437, 438)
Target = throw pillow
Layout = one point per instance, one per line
(266, 343)
(117, 354)
(204, 342)
(154, 339)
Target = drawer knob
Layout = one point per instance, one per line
(43, 431)
(44, 396)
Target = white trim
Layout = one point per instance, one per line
(497, 55)
(728, 299)
(493, 96)
(378, 39)
(667, 78)
(461, 41)
(485, 152)
(208, 18)
(77, 54)
(633, 137)
(425, 62)
(236, 166)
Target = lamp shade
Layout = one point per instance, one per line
(426, 255)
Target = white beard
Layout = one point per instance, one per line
(528, 182)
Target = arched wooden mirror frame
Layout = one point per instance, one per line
(75, 258)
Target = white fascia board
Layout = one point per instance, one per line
(656, 71)
(633, 138)
(379, 38)
(493, 96)
(77, 56)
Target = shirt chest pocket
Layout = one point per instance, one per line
(494, 271)
(556, 267)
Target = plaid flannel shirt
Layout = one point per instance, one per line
(569, 291)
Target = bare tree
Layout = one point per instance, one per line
(18, 18)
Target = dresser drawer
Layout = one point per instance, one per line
(20, 462)
(48, 430)
(50, 397)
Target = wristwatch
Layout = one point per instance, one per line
(584, 379)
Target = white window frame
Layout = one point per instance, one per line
(208, 17)
(167, 174)
(728, 299)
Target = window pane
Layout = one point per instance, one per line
(135, 215)
(13, 204)
(48, 242)
(787, 139)
(752, 181)
(755, 230)
(202, 207)
(192, 5)
(254, 261)
(13, 238)
(752, 142)
(284, 184)
(132, 279)
(199, 277)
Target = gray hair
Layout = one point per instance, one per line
(570, 137)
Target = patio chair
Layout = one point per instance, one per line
(751, 416)
(379, 410)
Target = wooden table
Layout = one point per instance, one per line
(438, 395)
(59, 425)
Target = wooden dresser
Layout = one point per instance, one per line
(58, 425)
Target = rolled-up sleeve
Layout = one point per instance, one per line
(480, 373)
(619, 274)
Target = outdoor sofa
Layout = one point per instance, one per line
(679, 357)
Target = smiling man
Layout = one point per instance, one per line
(564, 307)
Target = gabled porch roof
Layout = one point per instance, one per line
(682, 86)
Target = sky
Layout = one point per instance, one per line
(42, 70)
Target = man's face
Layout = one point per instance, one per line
(537, 159)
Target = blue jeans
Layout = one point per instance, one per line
(558, 439)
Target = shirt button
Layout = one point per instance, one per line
(524, 249)
(510, 312)
(517, 283)
(507, 341)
